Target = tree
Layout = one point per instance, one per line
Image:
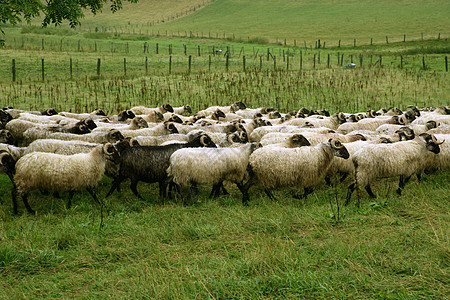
(54, 11)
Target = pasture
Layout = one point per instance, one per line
(390, 247)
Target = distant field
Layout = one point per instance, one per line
(289, 19)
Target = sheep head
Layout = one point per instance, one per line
(298, 140)
(98, 112)
(237, 106)
(405, 133)
(170, 127)
(115, 135)
(139, 122)
(431, 124)
(7, 160)
(111, 153)
(338, 149)
(205, 141)
(125, 114)
(167, 108)
(5, 117)
(49, 112)
(432, 143)
(6, 137)
(89, 123)
(187, 108)
(274, 115)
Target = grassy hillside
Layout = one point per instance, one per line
(291, 19)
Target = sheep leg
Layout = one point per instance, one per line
(328, 180)
(244, 190)
(351, 188)
(215, 191)
(133, 187)
(27, 205)
(194, 189)
(224, 191)
(270, 195)
(162, 189)
(307, 190)
(401, 184)
(14, 199)
(419, 177)
(369, 191)
(114, 186)
(91, 191)
(343, 177)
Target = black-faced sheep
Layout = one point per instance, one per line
(210, 166)
(402, 159)
(59, 173)
(275, 168)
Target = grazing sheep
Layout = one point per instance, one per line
(226, 109)
(58, 173)
(184, 110)
(332, 122)
(402, 159)
(160, 129)
(101, 137)
(210, 166)
(417, 128)
(440, 162)
(275, 168)
(136, 123)
(142, 110)
(96, 114)
(371, 123)
(149, 164)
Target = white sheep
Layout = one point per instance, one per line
(304, 167)
(142, 110)
(210, 166)
(58, 173)
(402, 159)
(184, 110)
(417, 128)
(371, 123)
(111, 136)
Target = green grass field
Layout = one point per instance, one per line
(393, 247)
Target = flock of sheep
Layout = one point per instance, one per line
(67, 152)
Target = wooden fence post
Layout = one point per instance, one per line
(13, 68)
(360, 60)
(146, 65)
(43, 70)
(98, 67)
(314, 64)
(209, 63)
(198, 50)
(401, 61)
(189, 63)
(287, 62)
(227, 62)
(423, 63)
(301, 60)
(404, 38)
(124, 66)
(260, 62)
(170, 64)
(339, 45)
(387, 40)
(157, 48)
(446, 64)
(328, 60)
(371, 41)
(243, 62)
